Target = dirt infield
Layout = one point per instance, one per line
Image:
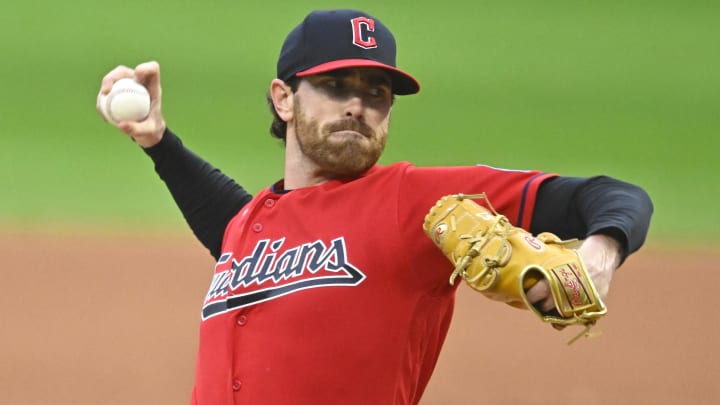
(107, 320)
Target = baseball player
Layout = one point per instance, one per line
(326, 290)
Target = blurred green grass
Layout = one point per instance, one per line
(630, 89)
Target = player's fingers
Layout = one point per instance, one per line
(540, 296)
(538, 292)
(98, 107)
(119, 72)
(148, 74)
(547, 305)
(147, 70)
(145, 133)
(133, 129)
(114, 75)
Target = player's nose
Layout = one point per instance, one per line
(354, 105)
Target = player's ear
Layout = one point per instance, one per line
(283, 98)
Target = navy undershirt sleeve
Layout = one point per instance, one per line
(572, 207)
(207, 198)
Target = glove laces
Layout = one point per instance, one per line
(479, 241)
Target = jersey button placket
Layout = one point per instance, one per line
(236, 385)
(242, 320)
(257, 227)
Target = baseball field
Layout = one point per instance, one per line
(101, 282)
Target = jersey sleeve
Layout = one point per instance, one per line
(207, 198)
(573, 207)
(511, 192)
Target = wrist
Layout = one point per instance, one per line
(149, 140)
(606, 248)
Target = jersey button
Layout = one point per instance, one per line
(236, 385)
(269, 203)
(242, 320)
(257, 227)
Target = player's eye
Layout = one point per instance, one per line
(379, 91)
(334, 84)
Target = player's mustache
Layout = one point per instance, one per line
(350, 124)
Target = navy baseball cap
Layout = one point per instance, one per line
(327, 40)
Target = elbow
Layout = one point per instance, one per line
(644, 209)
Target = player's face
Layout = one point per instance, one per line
(341, 119)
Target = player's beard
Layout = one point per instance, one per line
(338, 156)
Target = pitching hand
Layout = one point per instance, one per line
(149, 131)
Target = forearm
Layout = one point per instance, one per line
(207, 198)
(580, 207)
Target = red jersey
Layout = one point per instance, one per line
(333, 294)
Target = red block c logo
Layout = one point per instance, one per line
(361, 26)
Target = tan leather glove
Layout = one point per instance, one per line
(502, 261)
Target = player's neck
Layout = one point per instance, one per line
(300, 176)
(299, 170)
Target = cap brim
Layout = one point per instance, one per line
(403, 83)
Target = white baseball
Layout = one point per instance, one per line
(127, 101)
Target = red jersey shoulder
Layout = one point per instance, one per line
(512, 192)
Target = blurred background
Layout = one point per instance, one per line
(625, 88)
